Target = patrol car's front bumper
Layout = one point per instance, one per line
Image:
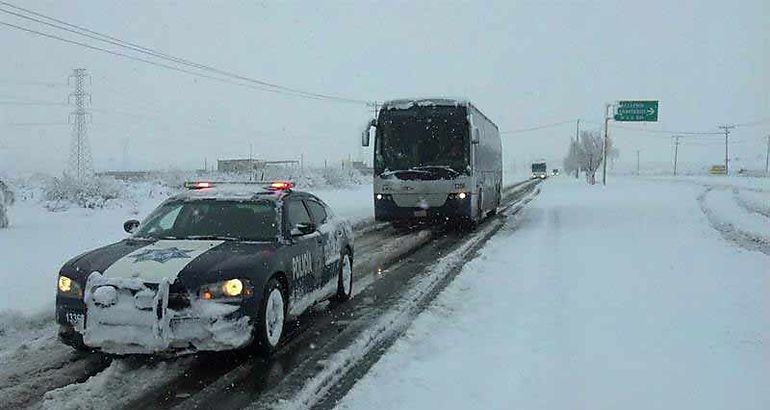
(154, 322)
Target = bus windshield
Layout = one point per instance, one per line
(422, 138)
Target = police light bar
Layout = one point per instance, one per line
(198, 185)
(272, 185)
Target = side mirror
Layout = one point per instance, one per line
(475, 138)
(365, 134)
(303, 228)
(130, 225)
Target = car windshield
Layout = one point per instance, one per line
(212, 219)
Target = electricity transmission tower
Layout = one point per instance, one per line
(80, 150)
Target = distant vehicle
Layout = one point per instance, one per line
(718, 170)
(555, 172)
(219, 267)
(435, 158)
(539, 170)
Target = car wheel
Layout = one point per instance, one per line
(272, 317)
(344, 279)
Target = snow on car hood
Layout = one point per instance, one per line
(163, 259)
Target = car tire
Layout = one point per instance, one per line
(344, 279)
(271, 321)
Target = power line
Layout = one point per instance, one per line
(119, 54)
(539, 127)
(22, 103)
(78, 30)
(753, 123)
(661, 131)
(33, 83)
(35, 124)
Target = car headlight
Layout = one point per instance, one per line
(233, 288)
(68, 287)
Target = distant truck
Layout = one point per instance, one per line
(539, 170)
(718, 170)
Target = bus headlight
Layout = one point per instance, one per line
(378, 196)
(462, 195)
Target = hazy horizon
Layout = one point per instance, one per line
(524, 64)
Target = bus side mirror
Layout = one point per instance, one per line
(365, 134)
(475, 138)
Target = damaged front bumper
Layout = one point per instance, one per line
(127, 316)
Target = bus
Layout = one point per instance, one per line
(434, 159)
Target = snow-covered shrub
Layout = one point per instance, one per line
(7, 193)
(95, 192)
(3, 212)
(6, 199)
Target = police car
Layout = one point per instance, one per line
(221, 266)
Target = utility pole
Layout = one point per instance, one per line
(676, 151)
(577, 143)
(637, 162)
(606, 141)
(767, 157)
(727, 129)
(80, 151)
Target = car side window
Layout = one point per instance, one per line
(318, 211)
(296, 214)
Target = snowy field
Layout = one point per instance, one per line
(624, 297)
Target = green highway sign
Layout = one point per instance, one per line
(636, 111)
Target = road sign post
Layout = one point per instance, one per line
(632, 110)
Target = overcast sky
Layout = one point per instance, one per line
(525, 64)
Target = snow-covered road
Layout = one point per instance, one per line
(594, 298)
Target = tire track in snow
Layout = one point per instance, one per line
(750, 206)
(747, 240)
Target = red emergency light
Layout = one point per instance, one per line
(281, 185)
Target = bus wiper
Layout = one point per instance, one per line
(398, 171)
(438, 167)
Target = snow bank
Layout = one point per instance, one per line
(616, 297)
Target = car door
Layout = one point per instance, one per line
(304, 249)
(330, 243)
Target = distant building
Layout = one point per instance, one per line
(127, 175)
(238, 166)
(361, 167)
